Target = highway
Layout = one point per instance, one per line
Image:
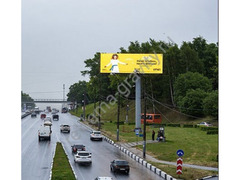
(37, 156)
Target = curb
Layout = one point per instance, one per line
(69, 162)
(152, 168)
(50, 176)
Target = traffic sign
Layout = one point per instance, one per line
(180, 153)
(179, 165)
(137, 132)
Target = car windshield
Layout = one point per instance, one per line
(97, 132)
(79, 146)
(122, 162)
(83, 154)
(65, 125)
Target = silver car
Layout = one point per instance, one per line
(65, 128)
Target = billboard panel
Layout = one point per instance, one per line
(130, 63)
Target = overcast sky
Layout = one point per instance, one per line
(58, 35)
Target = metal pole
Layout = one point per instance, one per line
(118, 116)
(127, 114)
(99, 108)
(84, 107)
(63, 95)
(138, 104)
(144, 124)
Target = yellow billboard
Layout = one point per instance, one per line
(130, 63)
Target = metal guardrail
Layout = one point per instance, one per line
(25, 115)
(47, 101)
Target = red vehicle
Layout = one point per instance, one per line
(43, 116)
(152, 118)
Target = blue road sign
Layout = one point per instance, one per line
(140, 135)
(137, 132)
(180, 153)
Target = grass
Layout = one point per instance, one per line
(61, 168)
(188, 173)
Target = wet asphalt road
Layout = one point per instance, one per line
(37, 156)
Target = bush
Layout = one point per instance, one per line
(120, 122)
(212, 132)
(188, 126)
(204, 128)
(174, 125)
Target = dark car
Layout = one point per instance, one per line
(119, 165)
(33, 114)
(64, 110)
(55, 117)
(78, 147)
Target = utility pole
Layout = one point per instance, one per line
(63, 94)
(99, 103)
(127, 114)
(84, 106)
(118, 116)
(144, 124)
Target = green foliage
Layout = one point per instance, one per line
(174, 125)
(193, 95)
(26, 98)
(212, 132)
(192, 103)
(210, 104)
(188, 126)
(77, 91)
(205, 128)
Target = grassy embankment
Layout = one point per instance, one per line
(199, 148)
(61, 168)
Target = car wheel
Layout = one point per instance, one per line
(50, 138)
(127, 171)
(39, 139)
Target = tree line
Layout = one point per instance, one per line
(189, 82)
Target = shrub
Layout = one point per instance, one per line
(174, 125)
(188, 126)
(212, 132)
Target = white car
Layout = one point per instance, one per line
(44, 133)
(103, 178)
(96, 135)
(83, 157)
(65, 128)
(47, 122)
(205, 124)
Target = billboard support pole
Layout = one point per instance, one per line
(144, 124)
(138, 103)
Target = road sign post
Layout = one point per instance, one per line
(180, 153)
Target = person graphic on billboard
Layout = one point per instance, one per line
(114, 62)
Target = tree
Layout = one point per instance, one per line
(210, 104)
(77, 91)
(26, 98)
(188, 81)
(192, 103)
(189, 60)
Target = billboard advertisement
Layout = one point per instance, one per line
(130, 63)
